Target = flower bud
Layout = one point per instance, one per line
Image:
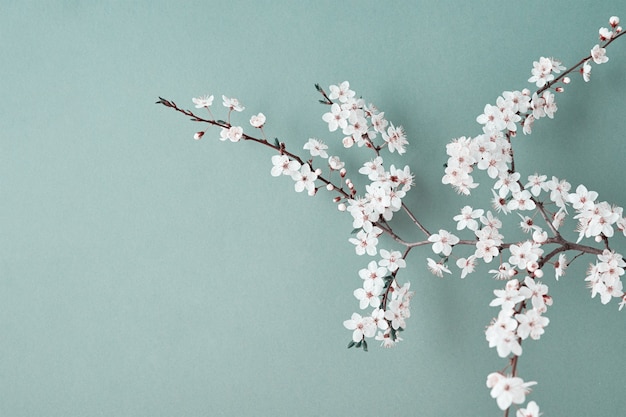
(559, 89)
(318, 172)
(566, 80)
(540, 237)
(198, 135)
(330, 187)
(342, 172)
(538, 273)
(341, 207)
(614, 21)
(347, 142)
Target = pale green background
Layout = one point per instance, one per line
(145, 274)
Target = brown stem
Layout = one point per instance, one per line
(414, 219)
(280, 147)
(582, 61)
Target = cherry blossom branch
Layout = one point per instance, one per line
(577, 65)
(277, 146)
(524, 300)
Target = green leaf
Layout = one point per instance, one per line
(351, 344)
(355, 231)
(276, 143)
(388, 280)
(364, 345)
(358, 344)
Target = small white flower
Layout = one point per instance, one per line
(585, 71)
(305, 179)
(531, 324)
(536, 183)
(365, 243)
(605, 34)
(284, 166)
(467, 265)
(504, 272)
(335, 163)
(341, 92)
(443, 242)
(560, 266)
(508, 390)
(437, 269)
(391, 260)
(467, 218)
(532, 410)
(204, 101)
(232, 104)
(362, 326)
(336, 118)
(396, 139)
(521, 200)
(317, 148)
(542, 72)
(258, 121)
(540, 236)
(234, 133)
(599, 55)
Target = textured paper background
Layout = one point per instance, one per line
(145, 274)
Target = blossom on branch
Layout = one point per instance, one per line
(284, 166)
(233, 133)
(305, 179)
(203, 101)
(232, 104)
(599, 55)
(258, 120)
(317, 148)
(508, 390)
(443, 242)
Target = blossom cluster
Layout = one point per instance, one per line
(382, 198)
(516, 322)
(360, 123)
(524, 302)
(384, 322)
